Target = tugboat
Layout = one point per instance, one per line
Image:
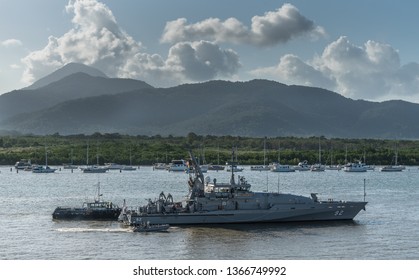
(93, 210)
(228, 203)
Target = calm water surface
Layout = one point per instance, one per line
(388, 229)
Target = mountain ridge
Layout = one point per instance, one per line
(65, 71)
(251, 108)
(81, 99)
(74, 86)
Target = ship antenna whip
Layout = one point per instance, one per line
(267, 181)
(98, 192)
(365, 194)
(233, 164)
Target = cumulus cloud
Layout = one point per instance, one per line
(272, 28)
(11, 43)
(371, 71)
(97, 40)
(292, 70)
(197, 61)
(94, 40)
(203, 60)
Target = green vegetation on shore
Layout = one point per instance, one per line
(146, 150)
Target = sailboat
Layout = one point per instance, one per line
(204, 166)
(368, 167)
(46, 169)
(93, 168)
(318, 166)
(333, 166)
(278, 167)
(129, 167)
(393, 168)
(233, 165)
(217, 166)
(70, 165)
(263, 167)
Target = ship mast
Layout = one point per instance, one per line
(233, 165)
(198, 183)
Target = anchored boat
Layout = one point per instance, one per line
(220, 203)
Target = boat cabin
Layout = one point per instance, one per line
(99, 204)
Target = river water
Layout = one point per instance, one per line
(387, 230)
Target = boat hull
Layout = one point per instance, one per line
(151, 228)
(95, 170)
(392, 169)
(85, 214)
(276, 214)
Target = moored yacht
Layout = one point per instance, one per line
(113, 166)
(94, 169)
(41, 169)
(317, 167)
(260, 168)
(355, 167)
(393, 168)
(263, 167)
(276, 167)
(23, 164)
(178, 165)
(233, 167)
(302, 166)
(160, 166)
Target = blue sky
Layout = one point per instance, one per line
(360, 49)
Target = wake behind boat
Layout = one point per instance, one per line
(91, 210)
(228, 203)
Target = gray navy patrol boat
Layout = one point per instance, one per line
(233, 202)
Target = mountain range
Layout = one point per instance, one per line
(78, 99)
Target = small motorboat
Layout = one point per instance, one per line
(147, 227)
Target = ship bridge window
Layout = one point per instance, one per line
(223, 190)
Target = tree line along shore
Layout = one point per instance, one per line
(147, 150)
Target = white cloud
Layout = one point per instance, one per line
(186, 62)
(371, 71)
(11, 43)
(272, 28)
(292, 70)
(94, 40)
(15, 66)
(97, 40)
(203, 60)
